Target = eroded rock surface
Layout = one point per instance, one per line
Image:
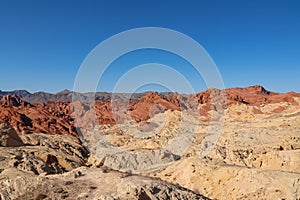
(256, 153)
(41, 153)
(90, 183)
(9, 137)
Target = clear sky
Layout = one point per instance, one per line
(43, 43)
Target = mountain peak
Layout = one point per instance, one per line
(65, 91)
(258, 89)
(149, 96)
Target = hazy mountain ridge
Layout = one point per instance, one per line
(66, 95)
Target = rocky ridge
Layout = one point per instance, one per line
(59, 117)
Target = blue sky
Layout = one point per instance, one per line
(43, 43)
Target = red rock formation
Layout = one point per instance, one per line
(62, 117)
(26, 118)
(149, 105)
(13, 100)
(257, 95)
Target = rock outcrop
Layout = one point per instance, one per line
(40, 153)
(28, 118)
(90, 183)
(9, 137)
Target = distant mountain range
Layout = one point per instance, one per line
(66, 95)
